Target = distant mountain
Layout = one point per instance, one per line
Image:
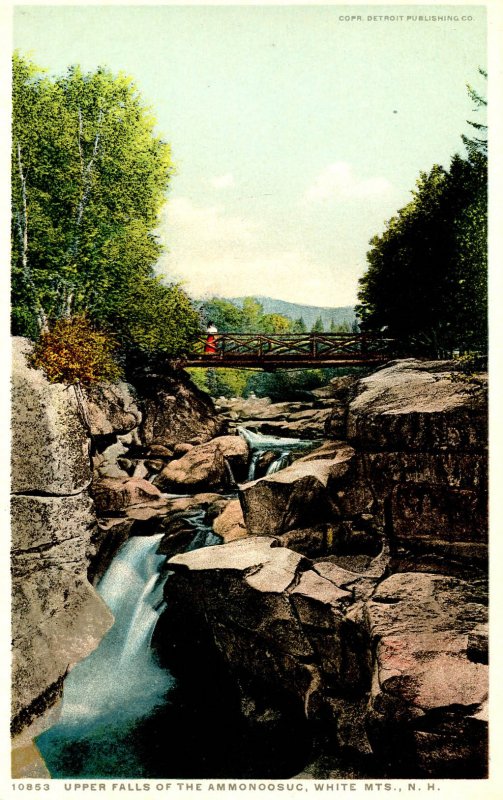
(308, 313)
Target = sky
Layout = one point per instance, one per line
(296, 133)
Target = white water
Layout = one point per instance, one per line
(120, 685)
(120, 677)
(260, 443)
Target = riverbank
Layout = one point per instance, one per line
(332, 592)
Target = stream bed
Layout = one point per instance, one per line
(123, 715)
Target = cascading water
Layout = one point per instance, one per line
(260, 444)
(119, 705)
(120, 684)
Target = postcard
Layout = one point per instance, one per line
(250, 250)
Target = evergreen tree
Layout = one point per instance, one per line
(299, 326)
(427, 272)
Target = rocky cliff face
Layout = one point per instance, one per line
(75, 454)
(360, 598)
(57, 616)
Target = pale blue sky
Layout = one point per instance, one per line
(296, 134)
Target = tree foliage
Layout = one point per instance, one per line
(73, 351)
(89, 177)
(250, 318)
(426, 282)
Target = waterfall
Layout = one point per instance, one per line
(119, 685)
(281, 446)
(121, 678)
(282, 461)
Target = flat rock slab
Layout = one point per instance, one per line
(267, 568)
(417, 405)
(314, 586)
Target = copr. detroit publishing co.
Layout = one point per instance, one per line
(404, 18)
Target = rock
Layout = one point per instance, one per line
(156, 508)
(111, 408)
(181, 449)
(325, 450)
(292, 498)
(107, 538)
(159, 451)
(276, 623)
(243, 408)
(295, 497)
(204, 466)
(112, 495)
(243, 583)
(154, 464)
(310, 542)
(175, 410)
(50, 447)
(420, 468)
(443, 519)
(230, 524)
(106, 463)
(426, 688)
(339, 644)
(200, 501)
(417, 406)
(263, 564)
(310, 425)
(58, 618)
(140, 470)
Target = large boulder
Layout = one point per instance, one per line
(213, 465)
(420, 469)
(407, 654)
(50, 444)
(174, 411)
(430, 685)
(295, 497)
(58, 618)
(415, 405)
(111, 408)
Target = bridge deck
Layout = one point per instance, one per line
(288, 351)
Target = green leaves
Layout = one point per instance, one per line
(427, 274)
(426, 280)
(90, 175)
(229, 318)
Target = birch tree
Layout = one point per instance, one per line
(90, 176)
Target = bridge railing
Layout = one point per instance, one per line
(292, 346)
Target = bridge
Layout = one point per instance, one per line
(289, 350)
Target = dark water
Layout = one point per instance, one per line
(108, 696)
(125, 716)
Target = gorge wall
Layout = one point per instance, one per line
(360, 596)
(349, 598)
(69, 449)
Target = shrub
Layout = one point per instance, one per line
(72, 351)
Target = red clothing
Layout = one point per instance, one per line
(211, 344)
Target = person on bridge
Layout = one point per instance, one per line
(210, 347)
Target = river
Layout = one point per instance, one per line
(123, 715)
